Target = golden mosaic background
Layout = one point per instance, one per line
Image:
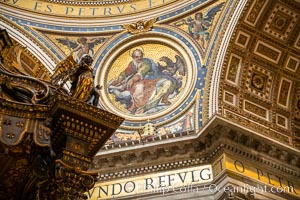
(152, 51)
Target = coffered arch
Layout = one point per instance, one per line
(218, 58)
(260, 76)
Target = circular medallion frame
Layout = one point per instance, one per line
(161, 42)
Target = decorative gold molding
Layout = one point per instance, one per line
(140, 26)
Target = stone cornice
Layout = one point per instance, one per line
(202, 150)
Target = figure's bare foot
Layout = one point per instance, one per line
(139, 111)
(167, 102)
(132, 109)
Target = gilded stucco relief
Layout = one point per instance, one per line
(261, 72)
(281, 22)
(259, 81)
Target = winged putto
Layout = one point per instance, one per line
(82, 46)
(198, 27)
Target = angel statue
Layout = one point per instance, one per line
(80, 76)
(83, 46)
(198, 27)
(82, 80)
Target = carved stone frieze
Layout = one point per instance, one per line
(221, 138)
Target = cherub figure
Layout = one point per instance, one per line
(81, 78)
(83, 46)
(198, 27)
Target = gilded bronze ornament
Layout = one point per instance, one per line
(49, 135)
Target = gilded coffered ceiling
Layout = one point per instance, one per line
(259, 86)
(240, 60)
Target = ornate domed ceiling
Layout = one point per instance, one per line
(261, 79)
(206, 58)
